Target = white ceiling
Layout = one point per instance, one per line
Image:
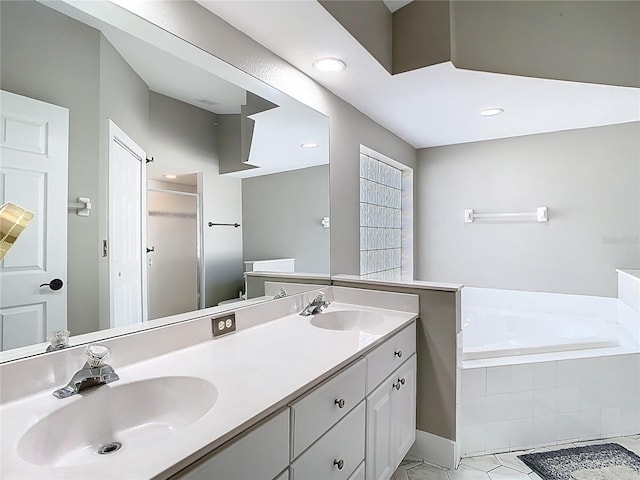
(432, 106)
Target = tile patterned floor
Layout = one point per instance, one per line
(501, 466)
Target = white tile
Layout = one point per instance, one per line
(474, 382)
(400, 474)
(497, 437)
(589, 424)
(569, 399)
(521, 434)
(568, 372)
(467, 473)
(484, 463)
(611, 421)
(568, 427)
(474, 411)
(520, 405)
(498, 380)
(512, 461)
(544, 375)
(544, 431)
(426, 472)
(522, 377)
(505, 473)
(630, 420)
(545, 402)
(473, 437)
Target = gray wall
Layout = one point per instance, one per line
(348, 127)
(594, 41)
(183, 140)
(281, 216)
(66, 73)
(436, 334)
(369, 22)
(588, 178)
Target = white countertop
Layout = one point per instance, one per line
(256, 371)
(414, 284)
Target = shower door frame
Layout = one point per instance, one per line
(199, 238)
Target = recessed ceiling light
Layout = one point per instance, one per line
(309, 145)
(170, 176)
(330, 65)
(490, 112)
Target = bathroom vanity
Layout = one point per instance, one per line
(330, 395)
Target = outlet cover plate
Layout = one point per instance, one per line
(223, 325)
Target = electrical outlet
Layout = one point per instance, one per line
(223, 325)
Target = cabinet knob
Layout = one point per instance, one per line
(397, 386)
(339, 403)
(398, 353)
(401, 380)
(339, 464)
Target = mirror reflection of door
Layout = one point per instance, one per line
(34, 159)
(173, 260)
(127, 233)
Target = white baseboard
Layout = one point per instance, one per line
(434, 449)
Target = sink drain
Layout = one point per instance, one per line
(108, 448)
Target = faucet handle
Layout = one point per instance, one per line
(319, 297)
(58, 340)
(96, 354)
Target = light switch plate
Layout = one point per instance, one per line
(223, 325)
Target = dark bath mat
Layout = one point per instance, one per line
(608, 461)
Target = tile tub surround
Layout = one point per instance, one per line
(530, 405)
(506, 466)
(276, 353)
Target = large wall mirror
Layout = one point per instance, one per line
(157, 173)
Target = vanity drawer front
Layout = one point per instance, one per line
(389, 356)
(359, 473)
(260, 454)
(317, 411)
(343, 446)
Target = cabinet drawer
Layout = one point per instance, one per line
(319, 410)
(359, 473)
(343, 445)
(260, 454)
(389, 356)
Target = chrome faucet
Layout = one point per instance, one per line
(315, 306)
(94, 372)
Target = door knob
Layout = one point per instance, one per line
(55, 284)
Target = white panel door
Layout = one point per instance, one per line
(127, 227)
(34, 138)
(403, 406)
(380, 453)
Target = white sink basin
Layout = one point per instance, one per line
(347, 320)
(133, 414)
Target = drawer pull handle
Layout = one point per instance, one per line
(398, 353)
(339, 464)
(340, 403)
(401, 381)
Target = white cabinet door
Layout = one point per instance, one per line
(380, 454)
(391, 421)
(403, 407)
(260, 454)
